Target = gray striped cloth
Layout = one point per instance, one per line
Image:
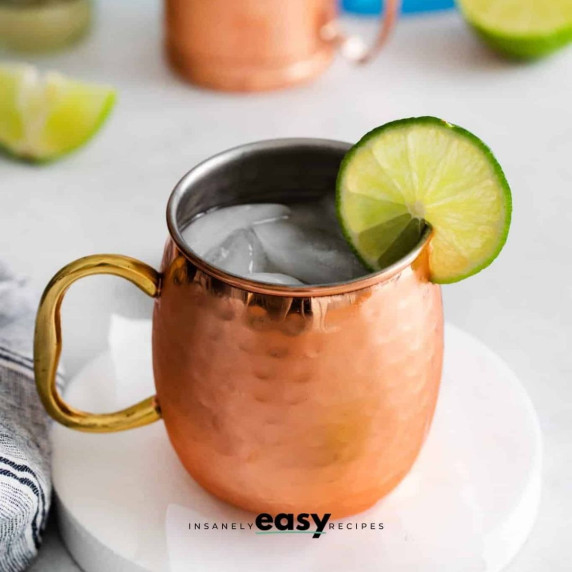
(25, 485)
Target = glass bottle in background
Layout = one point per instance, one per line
(43, 25)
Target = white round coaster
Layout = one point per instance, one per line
(468, 503)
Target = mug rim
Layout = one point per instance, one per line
(248, 285)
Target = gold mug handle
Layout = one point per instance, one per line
(353, 47)
(48, 344)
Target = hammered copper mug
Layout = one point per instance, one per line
(251, 45)
(275, 398)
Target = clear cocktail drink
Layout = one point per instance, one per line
(282, 244)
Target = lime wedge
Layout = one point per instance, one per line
(42, 118)
(423, 171)
(518, 28)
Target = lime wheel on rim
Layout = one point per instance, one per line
(422, 171)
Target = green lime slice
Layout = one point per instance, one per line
(413, 172)
(42, 118)
(518, 28)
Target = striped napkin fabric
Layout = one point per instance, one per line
(25, 483)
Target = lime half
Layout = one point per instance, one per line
(521, 28)
(42, 118)
(423, 171)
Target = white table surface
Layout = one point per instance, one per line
(111, 196)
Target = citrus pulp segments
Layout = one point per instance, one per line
(11, 123)
(424, 170)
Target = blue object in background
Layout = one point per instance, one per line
(374, 6)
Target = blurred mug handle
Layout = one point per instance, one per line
(354, 48)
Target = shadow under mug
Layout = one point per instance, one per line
(275, 398)
(251, 45)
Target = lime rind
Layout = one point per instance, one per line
(497, 178)
(529, 48)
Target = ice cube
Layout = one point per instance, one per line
(297, 244)
(240, 253)
(308, 254)
(212, 228)
(275, 278)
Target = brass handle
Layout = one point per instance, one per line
(352, 47)
(48, 343)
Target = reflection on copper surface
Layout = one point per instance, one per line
(316, 403)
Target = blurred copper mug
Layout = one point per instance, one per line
(251, 45)
(275, 398)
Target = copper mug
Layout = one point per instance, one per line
(251, 45)
(275, 398)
